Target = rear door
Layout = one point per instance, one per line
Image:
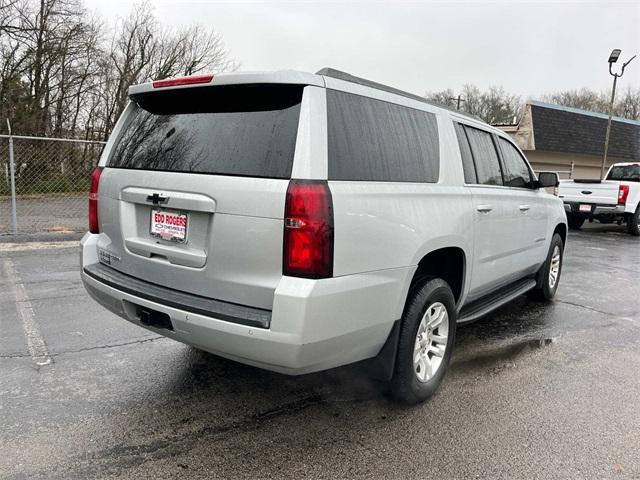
(497, 243)
(192, 196)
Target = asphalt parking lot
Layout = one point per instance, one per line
(535, 391)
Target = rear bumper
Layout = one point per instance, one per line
(596, 209)
(230, 312)
(314, 324)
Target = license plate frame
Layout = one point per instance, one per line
(176, 232)
(584, 208)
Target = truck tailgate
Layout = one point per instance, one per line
(589, 191)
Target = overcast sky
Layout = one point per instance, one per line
(530, 48)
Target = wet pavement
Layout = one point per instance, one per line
(535, 390)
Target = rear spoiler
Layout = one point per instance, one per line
(290, 77)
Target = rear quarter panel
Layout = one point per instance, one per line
(386, 225)
(380, 226)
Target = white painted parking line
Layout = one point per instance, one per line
(35, 343)
(25, 247)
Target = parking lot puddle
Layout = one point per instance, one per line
(501, 356)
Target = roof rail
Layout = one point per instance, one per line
(347, 77)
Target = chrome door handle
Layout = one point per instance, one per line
(484, 208)
(524, 208)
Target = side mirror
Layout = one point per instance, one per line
(548, 179)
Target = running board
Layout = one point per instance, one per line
(487, 304)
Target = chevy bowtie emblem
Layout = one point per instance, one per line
(157, 199)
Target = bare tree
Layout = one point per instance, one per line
(443, 97)
(628, 105)
(63, 72)
(9, 16)
(141, 50)
(584, 99)
(189, 51)
(42, 53)
(493, 106)
(204, 50)
(132, 51)
(498, 106)
(472, 100)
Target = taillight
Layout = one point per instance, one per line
(623, 193)
(94, 226)
(308, 230)
(172, 82)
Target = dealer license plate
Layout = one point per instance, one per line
(169, 225)
(585, 208)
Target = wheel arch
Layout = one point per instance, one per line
(561, 229)
(447, 263)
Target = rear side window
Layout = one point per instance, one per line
(629, 173)
(467, 159)
(244, 130)
(485, 156)
(516, 170)
(373, 140)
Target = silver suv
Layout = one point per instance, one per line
(300, 222)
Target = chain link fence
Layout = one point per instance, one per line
(44, 183)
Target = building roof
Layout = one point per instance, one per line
(583, 112)
(571, 130)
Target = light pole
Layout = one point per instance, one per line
(613, 58)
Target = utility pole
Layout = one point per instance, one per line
(613, 58)
(458, 99)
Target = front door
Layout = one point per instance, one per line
(527, 205)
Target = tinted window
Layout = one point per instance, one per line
(239, 130)
(379, 141)
(630, 173)
(485, 157)
(516, 171)
(467, 159)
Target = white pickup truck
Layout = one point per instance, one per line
(612, 200)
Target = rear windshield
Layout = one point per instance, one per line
(630, 173)
(247, 130)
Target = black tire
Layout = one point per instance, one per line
(544, 290)
(575, 222)
(633, 223)
(405, 384)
